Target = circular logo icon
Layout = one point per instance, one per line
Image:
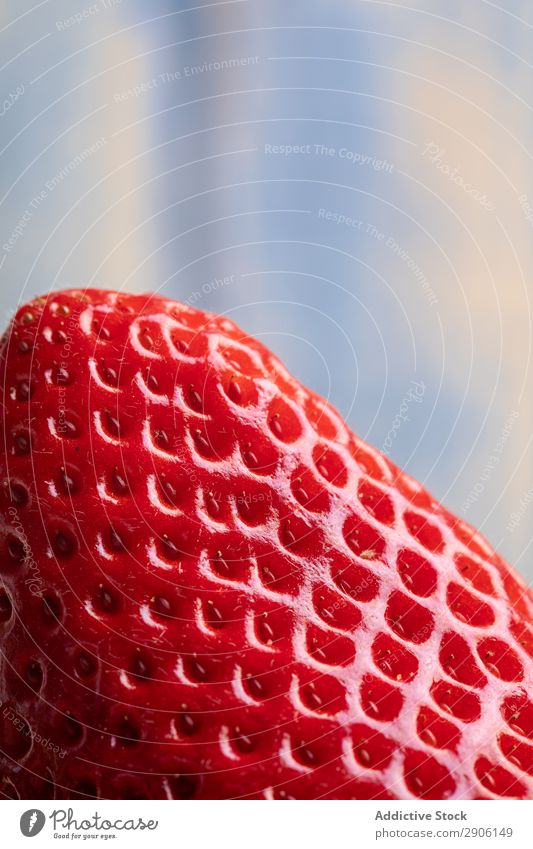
(32, 822)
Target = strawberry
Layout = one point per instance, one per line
(210, 588)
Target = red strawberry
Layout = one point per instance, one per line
(210, 588)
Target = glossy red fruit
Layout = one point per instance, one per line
(210, 588)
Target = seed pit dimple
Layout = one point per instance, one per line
(67, 426)
(243, 742)
(262, 459)
(376, 502)
(151, 381)
(60, 375)
(357, 582)
(24, 390)
(71, 731)
(408, 619)
(417, 574)
(169, 490)
(6, 606)
(196, 670)
(393, 659)
(202, 444)
(329, 648)
(119, 482)
(109, 375)
(185, 786)
(330, 465)
(213, 615)
(117, 539)
(379, 700)
(425, 777)
(85, 665)
(283, 422)
(458, 661)
(366, 460)
(68, 481)
(517, 752)
(239, 360)
(15, 733)
(112, 424)
(212, 505)
(254, 507)
(298, 535)
(102, 332)
(498, 780)
(280, 575)
(141, 666)
(162, 607)
(372, 749)
(26, 345)
(436, 731)
(194, 400)
(16, 549)
(517, 711)
(462, 704)
(364, 540)
(180, 344)
(334, 610)
(17, 493)
(500, 659)
(21, 442)
(476, 574)
(34, 675)
(146, 339)
(106, 600)
(52, 609)
(324, 695)
(64, 543)
(127, 731)
(469, 608)
(187, 724)
(234, 391)
(304, 754)
(162, 439)
(423, 531)
(308, 492)
(169, 549)
(59, 337)
(319, 418)
(59, 309)
(255, 687)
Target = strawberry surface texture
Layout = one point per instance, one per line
(210, 588)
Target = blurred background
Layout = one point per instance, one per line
(350, 180)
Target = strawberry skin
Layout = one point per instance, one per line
(210, 588)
